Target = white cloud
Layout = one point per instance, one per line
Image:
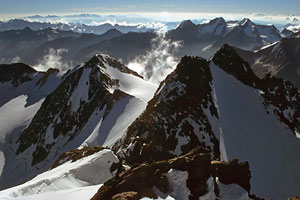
(15, 59)
(155, 19)
(157, 63)
(53, 59)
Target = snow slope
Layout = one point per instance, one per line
(252, 135)
(72, 194)
(80, 179)
(18, 105)
(108, 131)
(130, 83)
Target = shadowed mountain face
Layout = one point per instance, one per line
(16, 45)
(286, 33)
(72, 45)
(33, 46)
(126, 47)
(175, 114)
(280, 60)
(17, 73)
(39, 47)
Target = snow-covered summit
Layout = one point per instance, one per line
(186, 24)
(245, 22)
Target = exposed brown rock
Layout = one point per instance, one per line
(126, 196)
(198, 165)
(232, 172)
(294, 198)
(77, 154)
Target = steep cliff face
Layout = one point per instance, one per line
(175, 120)
(17, 73)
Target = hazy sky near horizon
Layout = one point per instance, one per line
(32, 7)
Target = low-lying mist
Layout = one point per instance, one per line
(158, 62)
(54, 59)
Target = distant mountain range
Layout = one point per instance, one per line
(17, 24)
(20, 43)
(34, 46)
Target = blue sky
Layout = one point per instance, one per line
(30, 7)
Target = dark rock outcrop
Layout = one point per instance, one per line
(140, 180)
(232, 172)
(46, 75)
(77, 154)
(16, 73)
(177, 112)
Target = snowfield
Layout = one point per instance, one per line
(116, 123)
(81, 178)
(18, 106)
(252, 135)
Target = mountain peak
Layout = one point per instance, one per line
(229, 60)
(49, 30)
(245, 21)
(16, 72)
(113, 31)
(189, 64)
(27, 29)
(218, 20)
(186, 24)
(97, 59)
(185, 94)
(102, 60)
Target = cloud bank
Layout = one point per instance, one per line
(157, 63)
(54, 59)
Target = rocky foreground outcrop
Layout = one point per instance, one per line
(77, 154)
(139, 182)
